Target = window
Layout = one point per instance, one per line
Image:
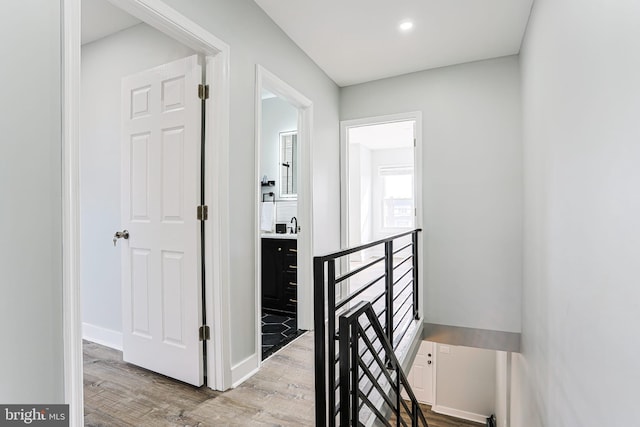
(397, 196)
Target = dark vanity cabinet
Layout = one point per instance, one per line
(279, 275)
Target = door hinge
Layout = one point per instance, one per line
(203, 91)
(203, 213)
(204, 333)
(415, 143)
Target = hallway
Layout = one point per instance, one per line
(120, 394)
(282, 394)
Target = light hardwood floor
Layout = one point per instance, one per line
(281, 394)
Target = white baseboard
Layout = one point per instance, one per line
(244, 370)
(478, 418)
(102, 336)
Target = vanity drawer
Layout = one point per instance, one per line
(280, 275)
(291, 263)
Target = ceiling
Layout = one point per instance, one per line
(101, 19)
(356, 41)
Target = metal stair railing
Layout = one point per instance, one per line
(391, 286)
(360, 387)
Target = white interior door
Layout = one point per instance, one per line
(421, 375)
(161, 265)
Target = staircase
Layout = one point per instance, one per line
(367, 331)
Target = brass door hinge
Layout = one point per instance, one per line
(203, 92)
(203, 213)
(204, 333)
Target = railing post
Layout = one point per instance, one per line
(355, 355)
(398, 388)
(416, 300)
(331, 344)
(319, 335)
(388, 283)
(345, 338)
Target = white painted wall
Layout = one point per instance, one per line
(581, 107)
(31, 359)
(255, 39)
(465, 382)
(472, 185)
(104, 63)
(360, 205)
(366, 196)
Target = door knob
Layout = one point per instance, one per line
(124, 234)
(428, 362)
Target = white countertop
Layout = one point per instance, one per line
(279, 236)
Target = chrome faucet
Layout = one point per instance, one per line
(294, 221)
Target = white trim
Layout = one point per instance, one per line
(102, 336)
(268, 80)
(470, 416)
(245, 369)
(217, 227)
(345, 125)
(434, 378)
(507, 422)
(162, 17)
(170, 22)
(72, 336)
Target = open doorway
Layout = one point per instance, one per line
(380, 188)
(283, 213)
(106, 60)
(278, 222)
(130, 47)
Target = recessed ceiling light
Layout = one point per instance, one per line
(406, 26)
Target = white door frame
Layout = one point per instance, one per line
(267, 80)
(169, 21)
(345, 125)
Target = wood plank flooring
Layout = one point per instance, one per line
(437, 420)
(281, 394)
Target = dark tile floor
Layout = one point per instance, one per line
(277, 331)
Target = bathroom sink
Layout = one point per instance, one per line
(279, 236)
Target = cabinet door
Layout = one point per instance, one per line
(271, 274)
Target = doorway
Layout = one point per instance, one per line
(380, 188)
(139, 155)
(283, 224)
(278, 208)
(215, 54)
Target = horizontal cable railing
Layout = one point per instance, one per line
(383, 273)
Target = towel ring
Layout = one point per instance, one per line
(270, 194)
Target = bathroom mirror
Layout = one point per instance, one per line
(288, 167)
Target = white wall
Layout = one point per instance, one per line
(31, 359)
(360, 205)
(104, 63)
(255, 39)
(472, 185)
(581, 107)
(465, 382)
(366, 197)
